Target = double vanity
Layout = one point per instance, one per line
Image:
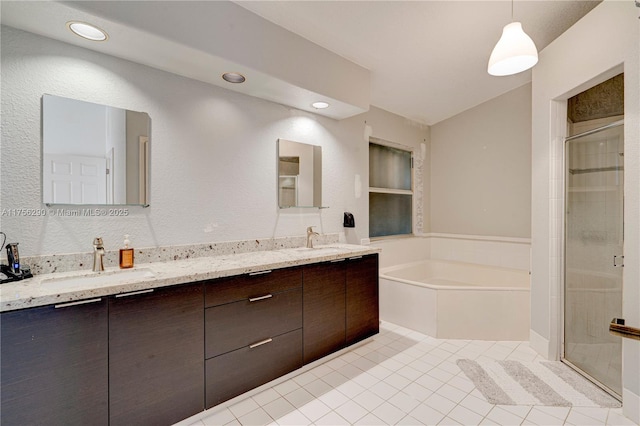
(164, 341)
(189, 327)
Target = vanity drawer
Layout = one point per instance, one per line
(243, 287)
(234, 325)
(236, 372)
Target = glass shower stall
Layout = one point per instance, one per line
(594, 259)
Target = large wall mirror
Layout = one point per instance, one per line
(94, 154)
(299, 174)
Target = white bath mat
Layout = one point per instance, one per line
(534, 383)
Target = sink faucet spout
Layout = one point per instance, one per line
(310, 234)
(98, 255)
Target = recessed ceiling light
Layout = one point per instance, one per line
(320, 105)
(233, 77)
(88, 31)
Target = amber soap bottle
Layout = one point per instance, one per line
(126, 254)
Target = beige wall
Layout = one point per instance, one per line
(481, 169)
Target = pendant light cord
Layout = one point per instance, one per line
(511, 10)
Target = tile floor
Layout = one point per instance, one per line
(400, 377)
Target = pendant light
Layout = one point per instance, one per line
(515, 51)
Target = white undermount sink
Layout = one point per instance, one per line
(99, 278)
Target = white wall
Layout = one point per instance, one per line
(481, 169)
(599, 46)
(213, 153)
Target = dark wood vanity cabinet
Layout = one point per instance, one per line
(362, 302)
(261, 326)
(54, 365)
(158, 356)
(252, 331)
(324, 309)
(156, 347)
(340, 304)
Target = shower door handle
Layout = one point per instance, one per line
(615, 261)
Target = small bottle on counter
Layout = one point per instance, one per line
(126, 254)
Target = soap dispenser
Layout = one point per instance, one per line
(126, 254)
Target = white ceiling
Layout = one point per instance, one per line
(428, 59)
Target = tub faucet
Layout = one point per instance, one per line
(310, 234)
(98, 255)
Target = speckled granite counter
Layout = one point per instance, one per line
(47, 289)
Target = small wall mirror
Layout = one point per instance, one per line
(93, 154)
(299, 174)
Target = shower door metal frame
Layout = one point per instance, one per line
(564, 257)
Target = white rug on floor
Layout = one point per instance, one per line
(534, 383)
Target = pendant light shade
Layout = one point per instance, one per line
(514, 53)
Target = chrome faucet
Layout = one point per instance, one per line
(310, 234)
(98, 255)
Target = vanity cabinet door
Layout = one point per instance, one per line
(253, 331)
(54, 365)
(323, 309)
(363, 318)
(247, 286)
(236, 372)
(156, 355)
(235, 325)
(248, 308)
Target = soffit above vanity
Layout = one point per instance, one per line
(203, 40)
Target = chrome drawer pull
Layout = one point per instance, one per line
(255, 299)
(252, 274)
(355, 258)
(260, 343)
(81, 302)
(338, 260)
(134, 293)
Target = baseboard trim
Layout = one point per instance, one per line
(631, 405)
(539, 344)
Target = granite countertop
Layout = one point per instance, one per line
(64, 287)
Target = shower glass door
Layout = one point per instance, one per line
(593, 253)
